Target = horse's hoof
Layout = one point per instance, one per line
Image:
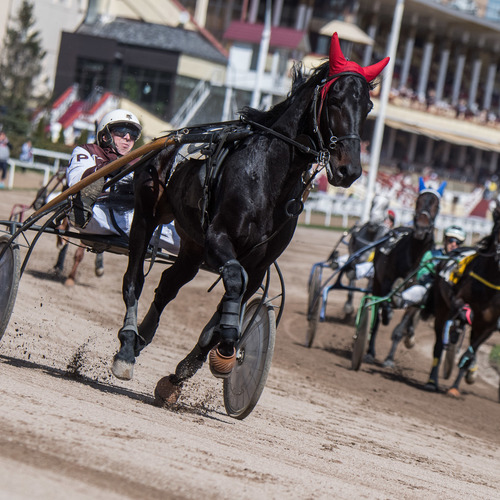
(220, 365)
(471, 375)
(388, 363)
(348, 309)
(453, 392)
(369, 359)
(99, 271)
(166, 392)
(122, 369)
(69, 282)
(431, 386)
(410, 341)
(386, 318)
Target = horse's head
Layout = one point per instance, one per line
(344, 103)
(426, 210)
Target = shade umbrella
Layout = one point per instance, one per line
(346, 31)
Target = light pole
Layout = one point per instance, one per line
(261, 62)
(378, 133)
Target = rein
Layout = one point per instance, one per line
(472, 274)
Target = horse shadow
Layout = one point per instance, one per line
(53, 276)
(398, 375)
(105, 388)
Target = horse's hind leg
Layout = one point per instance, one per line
(223, 356)
(71, 279)
(348, 307)
(99, 264)
(397, 335)
(168, 388)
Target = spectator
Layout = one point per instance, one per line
(27, 152)
(5, 147)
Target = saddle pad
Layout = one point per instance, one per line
(453, 269)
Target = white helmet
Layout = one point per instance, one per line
(117, 117)
(455, 232)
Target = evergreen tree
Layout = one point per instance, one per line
(20, 66)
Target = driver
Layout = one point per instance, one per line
(95, 212)
(454, 236)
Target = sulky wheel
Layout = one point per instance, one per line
(314, 290)
(313, 320)
(361, 338)
(10, 265)
(243, 387)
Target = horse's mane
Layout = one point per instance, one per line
(300, 82)
(489, 241)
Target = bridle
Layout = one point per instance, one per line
(317, 109)
(425, 213)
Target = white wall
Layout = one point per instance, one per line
(51, 18)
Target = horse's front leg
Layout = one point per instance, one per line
(133, 282)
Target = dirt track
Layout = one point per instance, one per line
(320, 430)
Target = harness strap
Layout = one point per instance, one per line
(301, 147)
(472, 274)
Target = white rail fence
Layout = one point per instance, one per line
(54, 157)
(350, 209)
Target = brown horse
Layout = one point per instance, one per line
(478, 286)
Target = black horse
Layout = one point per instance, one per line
(240, 219)
(478, 285)
(402, 253)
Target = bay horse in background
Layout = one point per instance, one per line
(58, 183)
(478, 285)
(402, 253)
(362, 236)
(238, 222)
(63, 246)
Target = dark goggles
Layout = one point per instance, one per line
(453, 240)
(123, 130)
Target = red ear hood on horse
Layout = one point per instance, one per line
(339, 64)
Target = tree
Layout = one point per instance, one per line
(20, 66)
